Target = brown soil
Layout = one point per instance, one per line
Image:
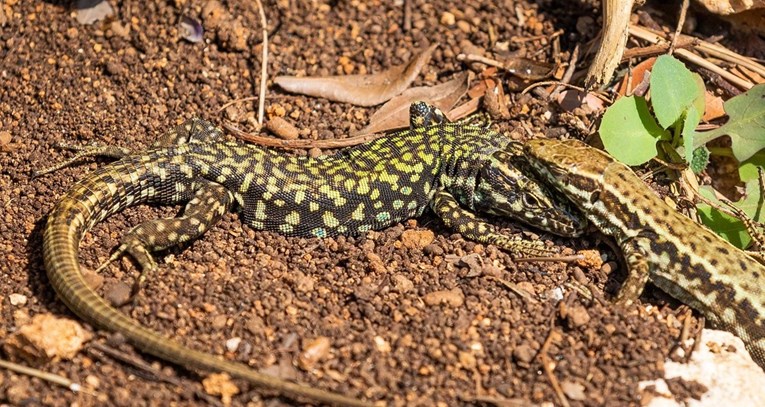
(129, 79)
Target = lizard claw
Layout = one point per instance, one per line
(141, 255)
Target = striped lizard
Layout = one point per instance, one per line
(681, 257)
(461, 170)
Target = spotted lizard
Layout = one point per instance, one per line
(681, 257)
(462, 171)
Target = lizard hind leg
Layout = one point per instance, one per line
(192, 130)
(206, 207)
(113, 152)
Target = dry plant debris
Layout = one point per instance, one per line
(361, 90)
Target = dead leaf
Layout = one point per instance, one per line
(713, 108)
(494, 101)
(464, 110)
(638, 73)
(527, 69)
(488, 79)
(360, 90)
(571, 99)
(395, 113)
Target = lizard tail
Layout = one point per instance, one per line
(91, 200)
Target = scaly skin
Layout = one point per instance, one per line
(681, 257)
(459, 169)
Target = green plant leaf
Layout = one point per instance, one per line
(745, 126)
(748, 169)
(730, 228)
(674, 89)
(629, 131)
(692, 119)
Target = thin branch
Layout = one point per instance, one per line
(569, 71)
(407, 16)
(264, 64)
(133, 361)
(679, 28)
(655, 38)
(47, 376)
(547, 366)
(658, 49)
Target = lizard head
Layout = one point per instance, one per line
(569, 166)
(422, 114)
(504, 188)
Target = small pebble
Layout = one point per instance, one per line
(313, 351)
(5, 137)
(118, 294)
(448, 18)
(524, 353)
(453, 298)
(381, 344)
(577, 316)
(282, 128)
(417, 239)
(402, 283)
(233, 344)
(17, 299)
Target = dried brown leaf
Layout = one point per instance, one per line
(638, 73)
(395, 113)
(464, 110)
(360, 90)
(713, 107)
(527, 69)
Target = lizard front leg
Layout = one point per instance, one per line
(638, 269)
(479, 230)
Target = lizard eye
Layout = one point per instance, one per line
(529, 200)
(595, 197)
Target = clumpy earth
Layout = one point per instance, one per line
(411, 315)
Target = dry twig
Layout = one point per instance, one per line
(47, 376)
(616, 17)
(680, 23)
(132, 361)
(407, 15)
(514, 288)
(658, 49)
(547, 366)
(569, 72)
(263, 64)
(656, 38)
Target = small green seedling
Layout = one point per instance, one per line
(634, 131)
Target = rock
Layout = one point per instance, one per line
(220, 384)
(314, 351)
(17, 299)
(46, 338)
(453, 298)
(417, 239)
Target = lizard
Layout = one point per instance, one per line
(463, 170)
(681, 257)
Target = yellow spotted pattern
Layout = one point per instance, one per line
(458, 169)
